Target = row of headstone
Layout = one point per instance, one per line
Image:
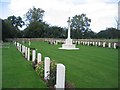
(60, 73)
(102, 44)
(29, 42)
(26, 52)
(53, 42)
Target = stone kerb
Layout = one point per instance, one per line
(60, 77)
(46, 68)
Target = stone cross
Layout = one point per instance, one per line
(68, 28)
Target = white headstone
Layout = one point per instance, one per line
(103, 44)
(18, 46)
(115, 45)
(29, 43)
(33, 55)
(109, 45)
(28, 56)
(99, 44)
(26, 52)
(39, 57)
(46, 68)
(15, 43)
(60, 77)
(88, 43)
(93, 43)
(23, 49)
(96, 43)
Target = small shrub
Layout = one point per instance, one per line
(40, 69)
(52, 76)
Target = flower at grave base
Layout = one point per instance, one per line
(40, 69)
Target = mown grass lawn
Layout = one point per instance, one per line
(88, 67)
(18, 72)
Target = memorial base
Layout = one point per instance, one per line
(68, 45)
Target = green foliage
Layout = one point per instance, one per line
(54, 32)
(34, 14)
(10, 27)
(7, 30)
(40, 69)
(52, 76)
(109, 33)
(34, 30)
(16, 21)
(80, 24)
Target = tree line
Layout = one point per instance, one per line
(37, 28)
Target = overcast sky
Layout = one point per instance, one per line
(102, 12)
